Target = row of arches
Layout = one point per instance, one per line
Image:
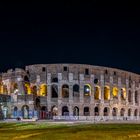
(106, 111)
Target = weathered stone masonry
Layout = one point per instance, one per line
(47, 90)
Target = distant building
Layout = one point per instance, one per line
(85, 91)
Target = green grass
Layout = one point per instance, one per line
(48, 131)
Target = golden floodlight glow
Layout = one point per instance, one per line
(43, 90)
(97, 92)
(106, 92)
(115, 91)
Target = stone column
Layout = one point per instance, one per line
(102, 87)
(81, 88)
(59, 100)
(119, 92)
(133, 93)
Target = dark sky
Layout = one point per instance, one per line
(97, 33)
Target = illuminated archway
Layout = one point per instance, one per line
(65, 91)
(123, 93)
(43, 90)
(25, 112)
(106, 93)
(97, 94)
(115, 92)
(27, 88)
(87, 90)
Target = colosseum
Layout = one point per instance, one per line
(69, 91)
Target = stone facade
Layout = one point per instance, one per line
(60, 90)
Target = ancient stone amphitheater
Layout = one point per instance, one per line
(69, 91)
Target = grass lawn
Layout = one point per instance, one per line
(47, 131)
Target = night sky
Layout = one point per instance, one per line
(97, 33)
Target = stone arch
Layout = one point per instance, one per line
(114, 111)
(65, 111)
(136, 112)
(129, 112)
(115, 92)
(129, 96)
(86, 111)
(122, 112)
(106, 111)
(26, 79)
(54, 91)
(43, 112)
(27, 88)
(25, 111)
(54, 110)
(15, 112)
(136, 97)
(87, 90)
(65, 91)
(75, 111)
(123, 93)
(43, 90)
(76, 90)
(96, 111)
(97, 94)
(106, 93)
(34, 89)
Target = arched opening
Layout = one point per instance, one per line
(43, 112)
(129, 96)
(26, 79)
(123, 93)
(76, 111)
(43, 90)
(96, 111)
(65, 111)
(136, 97)
(86, 111)
(27, 88)
(106, 111)
(114, 111)
(129, 112)
(76, 90)
(34, 90)
(25, 112)
(115, 92)
(54, 91)
(15, 112)
(5, 112)
(122, 112)
(37, 103)
(54, 110)
(136, 112)
(65, 91)
(106, 93)
(87, 90)
(97, 94)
